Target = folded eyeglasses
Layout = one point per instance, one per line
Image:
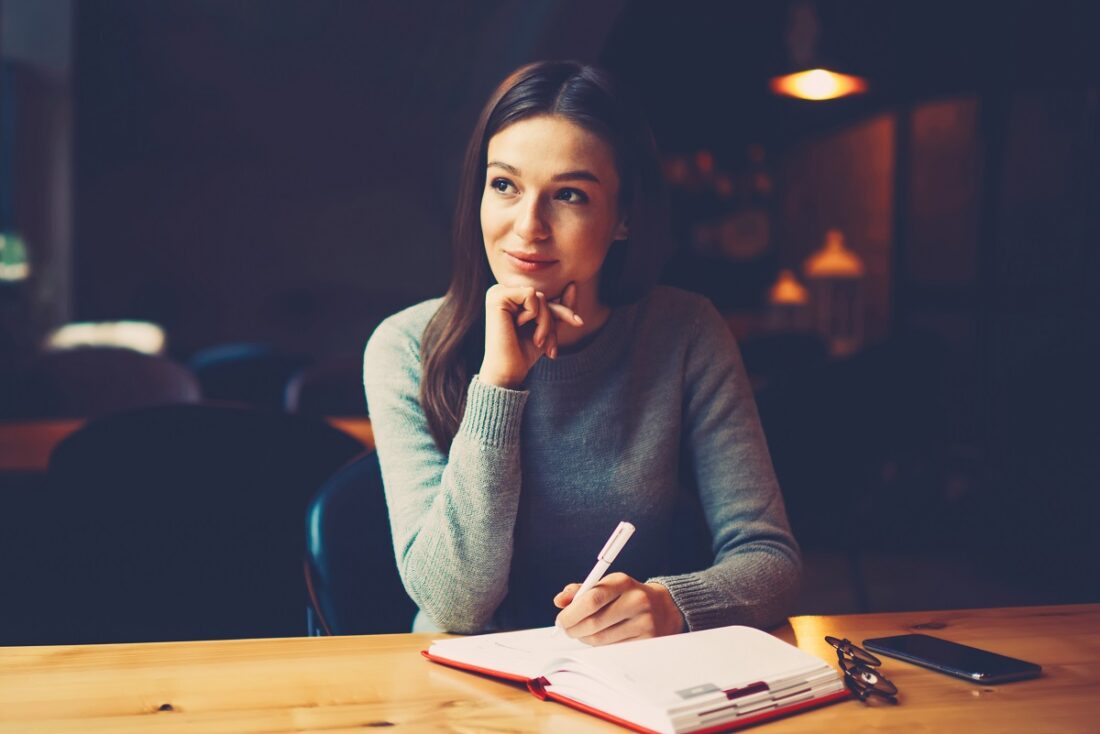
(860, 671)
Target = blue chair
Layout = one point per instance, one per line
(250, 374)
(351, 573)
(169, 523)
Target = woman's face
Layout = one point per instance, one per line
(550, 207)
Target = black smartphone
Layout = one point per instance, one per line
(979, 666)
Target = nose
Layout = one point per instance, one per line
(530, 223)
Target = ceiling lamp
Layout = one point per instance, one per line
(818, 84)
(811, 82)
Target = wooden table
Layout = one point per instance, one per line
(346, 684)
(25, 446)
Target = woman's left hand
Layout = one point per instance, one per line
(618, 608)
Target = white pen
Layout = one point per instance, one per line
(604, 559)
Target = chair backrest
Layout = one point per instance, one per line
(350, 565)
(250, 374)
(96, 381)
(173, 523)
(333, 387)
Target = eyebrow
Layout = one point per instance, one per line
(578, 175)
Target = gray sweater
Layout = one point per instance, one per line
(652, 421)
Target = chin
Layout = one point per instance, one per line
(552, 287)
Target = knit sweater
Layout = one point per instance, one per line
(651, 421)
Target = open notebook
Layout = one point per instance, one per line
(708, 681)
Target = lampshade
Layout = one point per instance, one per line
(788, 291)
(834, 260)
(818, 85)
(835, 276)
(812, 81)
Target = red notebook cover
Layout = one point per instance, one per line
(538, 688)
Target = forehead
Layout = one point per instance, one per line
(549, 142)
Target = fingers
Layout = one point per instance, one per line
(530, 305)
(524, 305)
(545, 337)
(513, 300)
(565, 596)
(566, 315)
(616, 609)
(589, 613)
(563, 306)
(632, 628)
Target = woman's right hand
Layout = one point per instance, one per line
(521, 325)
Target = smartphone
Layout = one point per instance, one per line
(963, 661)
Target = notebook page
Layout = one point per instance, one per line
(680, 671)
(590, 691)
(524, 653)
(578, 686)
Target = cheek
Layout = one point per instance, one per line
(591, 239)
(587, 253)
(493, 220)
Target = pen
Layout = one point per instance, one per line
(605, 557)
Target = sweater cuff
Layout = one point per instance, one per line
(493, 414)
(693, 596)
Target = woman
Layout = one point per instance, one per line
(554, 391)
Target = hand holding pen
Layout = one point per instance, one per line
(602, 610)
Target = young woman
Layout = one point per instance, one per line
(554, 391)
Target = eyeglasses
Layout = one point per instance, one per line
(860, 674)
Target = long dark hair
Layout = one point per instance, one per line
(454, 340)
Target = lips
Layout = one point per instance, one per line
(529, 263)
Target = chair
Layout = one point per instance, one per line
(350, 567)
(333, 387)
(251, 374)
(94, 381)
(170, 523)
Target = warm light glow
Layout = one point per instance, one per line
(704, 161)
(141, 336)
(818, 84)
(834, 260)
(787, 291)
(809, 635)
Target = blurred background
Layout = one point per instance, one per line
(903, 241)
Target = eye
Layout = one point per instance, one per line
(572, 196)
(501, 185)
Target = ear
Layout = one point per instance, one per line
(622, 230)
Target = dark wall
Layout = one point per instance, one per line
(284, 171)
(968, 180)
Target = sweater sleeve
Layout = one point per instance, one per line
(452, 515)
(755, 575)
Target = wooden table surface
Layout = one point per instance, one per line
(356, 684)
(25, 446)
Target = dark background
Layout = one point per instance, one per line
(284, 172)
